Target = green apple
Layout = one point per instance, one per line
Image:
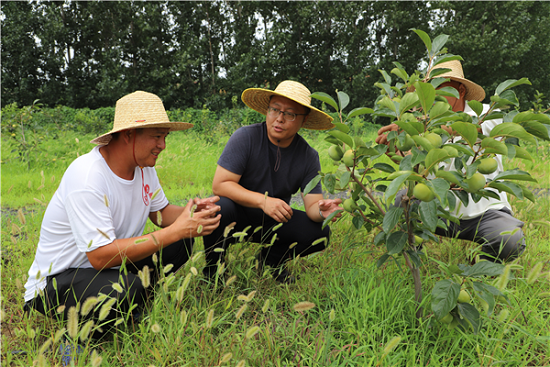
(434, 139)
(447, 319)
(348, 158)
(476, 182)
(487, 165)
(423, 192)
(335, 152)
(464, 297)
(407, 144)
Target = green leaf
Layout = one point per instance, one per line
(392, 217)
(497, 146)
(440, 188)
(400, 73)
(507, 98)
(311, 184)
(509, 187)
(511, 83)
(408, 101)
(343, 98)
(385, 87)
(424, 37)
(394, 187)
(387, 78)
(486, 268)
(344, 138)
(359, 111)
(445, 58)
(467, 131)
(396, 242)
(423, 142)
(382, 260)
(537, 129)
(510, 129)
(515, 174)
(344, 180)
(342, 127)
(407, 126)
(384, 167)
(379, 238)
(447, 92)
(325, 98)
(428, 214)
(435, 156)
(330, 217)
(530, 116)
(426, 94)
(358, 221)
(387, 102)
(444, 297)
(450, 176)
(438, 44)
(476, 106)
(527, 193)
(330, 182)
(471, 314)
(523, 153)
(438, 109)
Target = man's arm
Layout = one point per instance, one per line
(315, 205)
(138, 248)
(226, 183)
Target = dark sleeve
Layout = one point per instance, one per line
(236, 153)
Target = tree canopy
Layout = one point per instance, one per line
(195, 54)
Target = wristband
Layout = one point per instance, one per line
(321, 214)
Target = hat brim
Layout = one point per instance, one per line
(258, 99)
(173, 126)
(473, 90)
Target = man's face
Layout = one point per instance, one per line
(456, 103)
(148, 145)
(279, 130)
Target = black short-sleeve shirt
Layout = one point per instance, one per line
(249, 153)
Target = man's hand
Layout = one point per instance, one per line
(205, 204)
(277, 209)
(326, 207)
(201, 223)
(382, 137)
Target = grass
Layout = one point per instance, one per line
(362, 316)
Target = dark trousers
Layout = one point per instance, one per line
(293, 238)
(73, 286)
(497, 231)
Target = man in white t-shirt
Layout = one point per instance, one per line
(91, 239)
(488, 222)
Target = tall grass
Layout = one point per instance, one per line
(361, 315)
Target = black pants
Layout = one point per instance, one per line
(497, 231)
(293, 238)
(73, 286)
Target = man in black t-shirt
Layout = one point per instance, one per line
(261, 167)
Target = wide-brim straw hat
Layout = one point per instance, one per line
(473, 90)
(140, 110)
(258, 99)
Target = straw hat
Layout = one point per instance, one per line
(140, 110)
(473, 90)
(258, 99)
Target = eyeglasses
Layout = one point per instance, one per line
(288, 116)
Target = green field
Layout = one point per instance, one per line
(361, 315)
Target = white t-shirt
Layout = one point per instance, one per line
(474, 210)
(91, 208)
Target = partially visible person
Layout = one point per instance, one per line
(489, 222)
(91, 238)
(261, 167)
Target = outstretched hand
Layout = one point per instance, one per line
(202, 222)
(327, 207)
(382, 137)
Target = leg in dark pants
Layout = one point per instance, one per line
(74, 286)
(497, 231)
(300, 232)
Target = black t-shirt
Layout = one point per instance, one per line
(249, 153)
